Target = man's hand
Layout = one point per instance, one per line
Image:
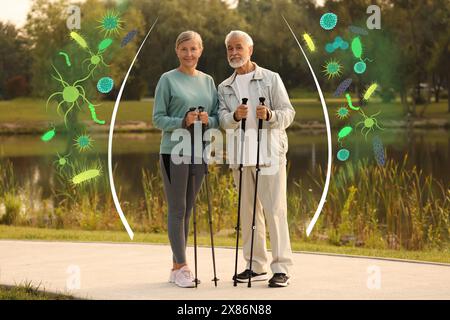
(263, 113)
(241, 112)
(191, 117)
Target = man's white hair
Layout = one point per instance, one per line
(239, 33)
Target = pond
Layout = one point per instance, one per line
(33, 160)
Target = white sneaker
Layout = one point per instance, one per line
(184, 278)
(173, 274)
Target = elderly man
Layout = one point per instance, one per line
(253, 82)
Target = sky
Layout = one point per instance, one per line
(15, 11)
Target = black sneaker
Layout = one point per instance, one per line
(279, 280)
(243, 276)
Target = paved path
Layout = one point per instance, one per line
(140, 271)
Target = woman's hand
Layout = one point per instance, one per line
(204, 117)
(191, 117)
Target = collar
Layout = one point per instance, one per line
(257, 76)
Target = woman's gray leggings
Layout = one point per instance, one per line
(180, 195)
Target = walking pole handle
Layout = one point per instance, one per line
(260, 122)
(244, 101)
(200, 109)
(261, 100)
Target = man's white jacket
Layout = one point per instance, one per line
(274, 141)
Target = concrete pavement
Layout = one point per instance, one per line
(140, 271)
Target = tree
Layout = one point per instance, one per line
(14, 62)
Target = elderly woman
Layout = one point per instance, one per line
(177, 91)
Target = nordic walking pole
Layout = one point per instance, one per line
(260, 123)
(244, 101)
(193, 197)
(208, 199)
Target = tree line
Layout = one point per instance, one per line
(407, 57)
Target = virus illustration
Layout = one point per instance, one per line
(83, 142)
(105, 85)
(328, 21)
(368, 124)
(343, 154)
(342, 113)
(332, 68)
(70, 94)
(110, 23)
(62, 161)
(309, 42)
(370, 90)
(345, 131)
(343, 86)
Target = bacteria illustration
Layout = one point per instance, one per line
(85, 176)
(370, 91)
(105, 85)
(66, 57)
(328, 21)
(345, 131)
(378, 151)
(309, 42)
(337, 43)
(94, 115)
(343, 154)
(358, 30)
(343, 86)
(349, 101)
(127, 39)
(49, 135)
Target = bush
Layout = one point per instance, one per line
(12, 209)
(16, 86)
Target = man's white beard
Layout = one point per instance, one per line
(237, 64)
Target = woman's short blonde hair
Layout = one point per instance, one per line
(188, 35)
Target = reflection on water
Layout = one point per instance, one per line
(427, 149)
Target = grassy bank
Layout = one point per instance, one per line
(394, 206)
(220, 240)
(30, 115)
(29, 291)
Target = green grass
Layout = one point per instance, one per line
(28, 112)
(25, 110)
(27, 233)
(29, 291)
